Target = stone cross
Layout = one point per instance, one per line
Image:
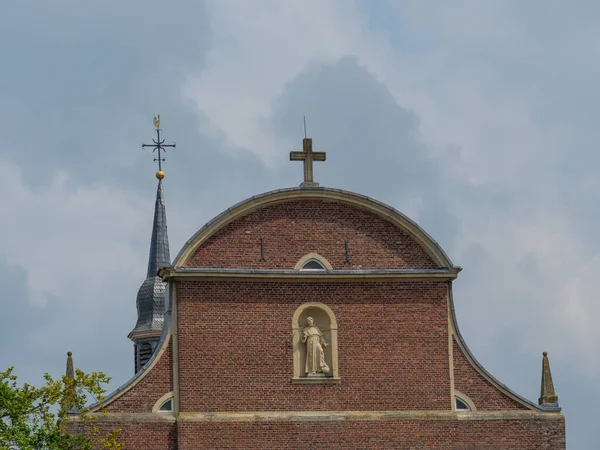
(307, 156)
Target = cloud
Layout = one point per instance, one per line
(72, 256)
(475, 118)
(251, 62)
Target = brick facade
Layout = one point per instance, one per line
(413, 435)
(235, 346)
(398, 353)
(294, 229)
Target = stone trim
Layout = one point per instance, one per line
(126, 418)
(174, 326)
(317, 380)
(316, 416)
(327, 416)
(313, 256)
(450, 355)
(179, 273)
(382, 210)
(160, 401)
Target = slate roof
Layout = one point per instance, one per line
(151, 295)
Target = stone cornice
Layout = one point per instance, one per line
(135, 335)
(181, 273)
(319, 416)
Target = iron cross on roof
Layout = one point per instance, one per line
(158, 145)
(307, 156)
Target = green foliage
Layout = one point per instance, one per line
(34, 418)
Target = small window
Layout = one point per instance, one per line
(461, 405)
(312, 265)
(167, 406)
(145, 354)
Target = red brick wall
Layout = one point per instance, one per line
(293, 229)
(484, 395)
(235, 344)
(416, 434)
(142, 397)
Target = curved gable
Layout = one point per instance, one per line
(275, 230)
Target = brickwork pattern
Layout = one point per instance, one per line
(413, 435)
(484, 395)
(293, 229)
(235, 344)
(142, 397)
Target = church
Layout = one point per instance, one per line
(312, 317)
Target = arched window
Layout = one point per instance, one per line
(462, 403)
(145, 353)
(315, 336)
(313, 261)
(164, 404)
(313, 264)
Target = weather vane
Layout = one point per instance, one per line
(160, 146)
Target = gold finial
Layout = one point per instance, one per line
(160, 174)
(157, 121)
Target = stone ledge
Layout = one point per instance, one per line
(317, 416)
(126, 417)
(317, 380)
(328, 416)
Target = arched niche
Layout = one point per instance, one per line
(325, 320)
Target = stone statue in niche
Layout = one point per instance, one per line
(315, 356)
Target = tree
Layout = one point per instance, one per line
(54, 416)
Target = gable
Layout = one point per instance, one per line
(276, 230)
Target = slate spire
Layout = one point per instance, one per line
(159, 244)
(548, 397)
(151, 295)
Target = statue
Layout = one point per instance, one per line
(315, 356)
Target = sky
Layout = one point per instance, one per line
(477, 119)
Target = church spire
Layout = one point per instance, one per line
(151, 295)
(159, 244)
(548, 397)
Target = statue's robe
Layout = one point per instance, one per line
(315, 356)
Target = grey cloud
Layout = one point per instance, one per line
(81, 81)
(373, 144)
